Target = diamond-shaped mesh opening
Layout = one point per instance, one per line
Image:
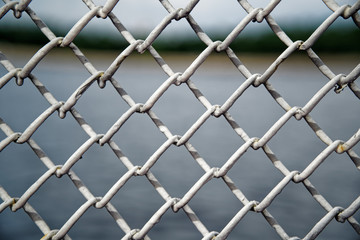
(11, 222)
(137, 201)
(177, 37)
(100, 218)
(255, 111)
(307, 83)
(294, 203)
(341, 193)
(18, 157)
(139, 138)
(188, 109)
(329, 119)
(21, 97)
(335, 131)
(208, 208)
(252, 61)
(166, 170)
(254, 175)
(178, 224)
(61, 82)
(336, 230)
(102, 59)
(311, 14)
(92, 166)
(13, 29)
(72, 10)
(49, 192)
(21, 103)
(221, 141)
(140, 80)
(100, 34)
(110, 108)
(300, 148)
(340, 63)
(18, 55)
(332, 41)
(257, 37)
(54, 134)
(217, 78)
(246, 228)
(227, 22)
(131, 14)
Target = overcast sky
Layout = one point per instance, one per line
(144, 15)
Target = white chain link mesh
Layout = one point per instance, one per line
(68, 107)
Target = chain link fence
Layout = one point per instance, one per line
(101, 78)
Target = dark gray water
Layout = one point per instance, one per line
(295, 145)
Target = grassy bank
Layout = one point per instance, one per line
(333, 40)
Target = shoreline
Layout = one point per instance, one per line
(20, 54)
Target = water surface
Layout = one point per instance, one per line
(296, 145)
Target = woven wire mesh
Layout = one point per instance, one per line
(67, 110)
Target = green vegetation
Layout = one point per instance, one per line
(334, 40)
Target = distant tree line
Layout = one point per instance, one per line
(338, 40)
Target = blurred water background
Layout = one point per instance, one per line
(297, 80)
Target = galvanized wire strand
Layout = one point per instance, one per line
(8, 201)
(295, 177)
(349, 11)
(337, 81)
(21, 202)
(8, 6)
(236, 191)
